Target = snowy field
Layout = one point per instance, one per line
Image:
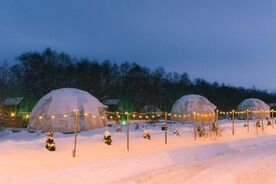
(243, 158)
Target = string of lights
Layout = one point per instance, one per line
(148, 115)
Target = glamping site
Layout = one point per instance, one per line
(138, 92)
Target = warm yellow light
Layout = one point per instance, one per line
(27, 116)
(147, 117)
(93, 116)
(64, 115)
(12, 114)
(103, 117)
(140, 117)
(85, 114)
(53, 117)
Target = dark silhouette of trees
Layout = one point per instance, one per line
(38, 73)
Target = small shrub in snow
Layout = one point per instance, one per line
(164, 127)
(107, 138)
(146, 134)
(176, 131)
(136, 127)
(258, 124)
(50, 143)
(200, 131)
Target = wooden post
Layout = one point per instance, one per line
(233, 122)
(127, 123)
(194, 119)
(217, 114)
(166, 128)
(257, 126)
(272, 121)
(262, 120)
(76, 131)
(247, 120)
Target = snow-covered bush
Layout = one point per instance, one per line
(146, 134)
(50, 143)
(269, 123)
(176, 131)
(107, 138)
(136, 127)
(200, 130)
(258, 124)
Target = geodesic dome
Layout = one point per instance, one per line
(189, 104)
(56, 111)
(254, 104)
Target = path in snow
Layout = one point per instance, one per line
(250, 164)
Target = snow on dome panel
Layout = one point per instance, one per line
(193, 103)
(64, 101)
(253, 104)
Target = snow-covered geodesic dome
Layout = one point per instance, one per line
(56, 111)
(189, 104)
(254, 104)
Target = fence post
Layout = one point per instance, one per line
(127, 123)
(76, 131)
(217, 114)
(247, 120)
(262, 113)
(272, 121)
(233, 122)
(194, 119)
(166, 128)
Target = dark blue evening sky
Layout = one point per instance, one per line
(231, 41)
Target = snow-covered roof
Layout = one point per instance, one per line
(149, 108)
(112, 102)
(13, 101)
(193, 103)
(253, 104)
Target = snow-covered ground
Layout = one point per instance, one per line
(242, 158)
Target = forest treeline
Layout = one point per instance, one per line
(37, 73)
